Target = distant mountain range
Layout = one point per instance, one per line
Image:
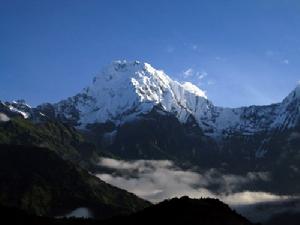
(133, 111)
(124, 91)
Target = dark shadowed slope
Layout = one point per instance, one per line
(38, 181)
(183, 211)
(50, 134)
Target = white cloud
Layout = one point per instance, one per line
(250, 197)
(4, 117)
(270, 53)
(194, 47)
(191, 73)
(219, 58)
(187, 73)
(156, 180)
(211, 82)
(170, 49)
(201, 75)
(79, 213)
(286, 61)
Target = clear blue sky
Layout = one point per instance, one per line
(240, 52)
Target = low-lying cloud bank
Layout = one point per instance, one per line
(4, 117)
(156, 180)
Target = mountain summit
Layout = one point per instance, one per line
(124, 90)
(137, 112)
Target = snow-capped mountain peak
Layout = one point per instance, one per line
(124, 90)
(19, 107)
(127, 81)
(295, 94)
(194, 89)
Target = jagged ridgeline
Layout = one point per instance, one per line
(56, 136)
(42, 171)
(134, 111)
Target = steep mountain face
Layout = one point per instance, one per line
(136, 111)
(124, 91)
(39, 181)
(157, 136)
(20, 108)
(61, 138)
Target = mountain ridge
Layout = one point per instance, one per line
(123, 91)
(39, 181)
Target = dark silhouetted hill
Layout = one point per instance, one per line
(40, 182)
(183, 211)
